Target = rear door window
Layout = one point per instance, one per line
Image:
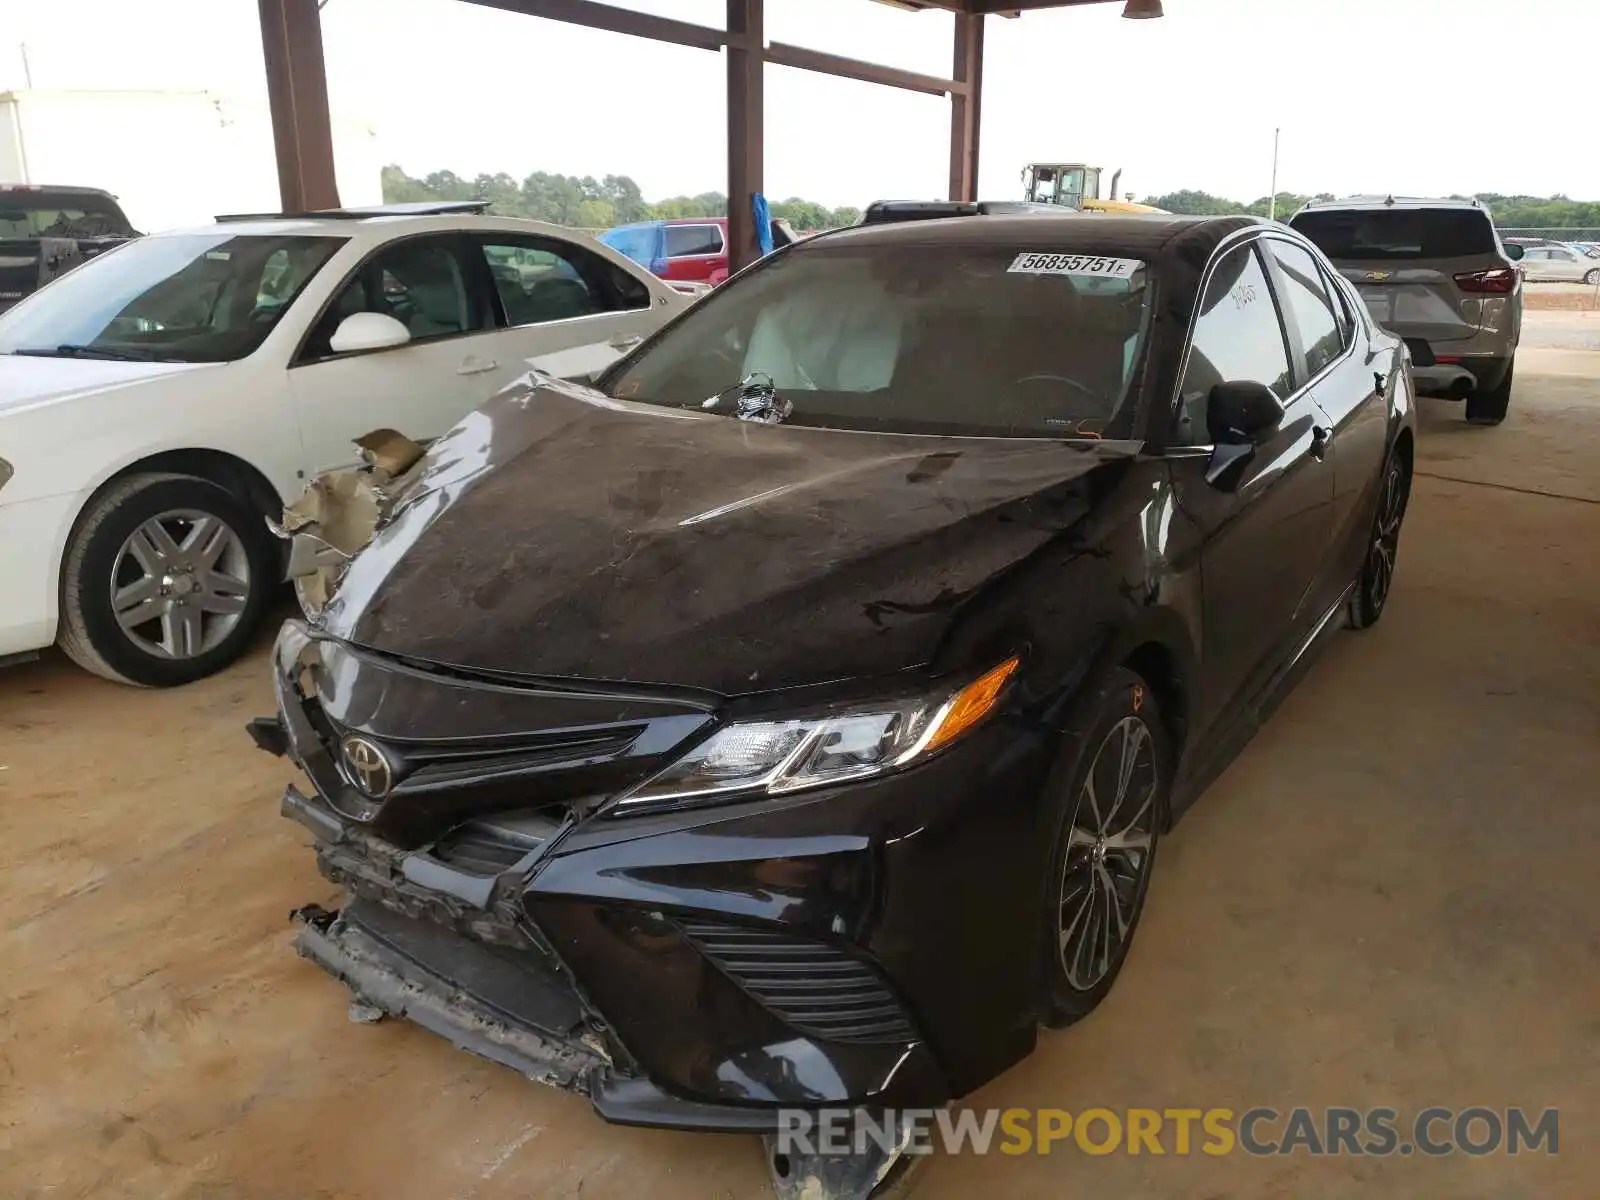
(1307, 306)
(543, 279)
(686, 241)
(1400, 233)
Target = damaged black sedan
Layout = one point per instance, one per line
(790, 717)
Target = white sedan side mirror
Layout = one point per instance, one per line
(368, 331)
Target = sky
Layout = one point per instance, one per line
(1406, 96)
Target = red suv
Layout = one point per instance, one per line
(683, 249)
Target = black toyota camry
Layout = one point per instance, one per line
(790, 715)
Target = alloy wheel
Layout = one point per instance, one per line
(180, 583)
(1386, 537)
(1109, 848)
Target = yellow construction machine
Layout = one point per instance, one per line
(1076, 185)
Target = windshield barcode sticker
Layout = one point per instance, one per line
(1037, 263)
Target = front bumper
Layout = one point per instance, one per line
(701, 970)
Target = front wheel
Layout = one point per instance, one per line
(1104, 847)
(164, 581)
(1593, 277)
(1383, 545)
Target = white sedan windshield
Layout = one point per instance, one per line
(207, 297)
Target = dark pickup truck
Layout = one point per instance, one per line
(46, 231)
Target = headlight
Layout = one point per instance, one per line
(774, 757)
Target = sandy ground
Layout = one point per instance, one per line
(1389, 899)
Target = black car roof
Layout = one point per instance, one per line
(1176, 248)
(1148, 236)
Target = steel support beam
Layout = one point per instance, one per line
(593, 15)
(784, 55)
(966, 105)
(746, 127)
(297, 90)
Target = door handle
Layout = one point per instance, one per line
(477, 366)
(1380, 382)
(1321, 438)
(626, 343)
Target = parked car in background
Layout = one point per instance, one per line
(46, 231)
(791, 718)
(1435, 273)
(691, 250)
(159, 402)
(1560, 264)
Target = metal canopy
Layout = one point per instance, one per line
(297, 88)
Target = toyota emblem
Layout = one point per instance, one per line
(365, 766)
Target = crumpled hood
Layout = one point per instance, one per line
(26, 379)
(556, 532)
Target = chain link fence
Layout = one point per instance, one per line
(1566, 233)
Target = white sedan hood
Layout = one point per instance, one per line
(26, 380)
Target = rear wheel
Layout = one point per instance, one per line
(1383, 546)
(164, 581)
(1593, 277)
(1104, 847)
(1487, 406)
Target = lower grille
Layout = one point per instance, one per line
(491, 846)
(813, 986)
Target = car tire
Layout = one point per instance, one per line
(1102, 848)
(1376, 580)
(1488, 406)
(1593, 276)
(193, 560)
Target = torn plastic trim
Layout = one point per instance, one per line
(377, 978)
(340, 511)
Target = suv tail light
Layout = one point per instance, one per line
(1499, 281)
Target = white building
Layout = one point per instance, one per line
(171, 158)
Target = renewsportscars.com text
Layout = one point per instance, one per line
(1260, 1131)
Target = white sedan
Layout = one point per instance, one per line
(160, 401)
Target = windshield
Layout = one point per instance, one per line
(1398, 233)
(37, 213)
(204, 297)
(967, 340)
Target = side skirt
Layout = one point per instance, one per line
(1236, 736)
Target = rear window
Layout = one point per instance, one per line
(641, 243)
(40, 212)
(1398, 233)
(985, 340)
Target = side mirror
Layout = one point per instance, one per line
(368, 331)
(1242, 413)
(1514, 252)
(1239, 416)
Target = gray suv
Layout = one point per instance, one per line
(1435, 273)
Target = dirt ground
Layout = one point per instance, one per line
(1389, 899)
(1571, 297)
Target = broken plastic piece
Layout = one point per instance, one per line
(388, 451)
(339, 512)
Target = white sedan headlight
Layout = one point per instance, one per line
(775, 757)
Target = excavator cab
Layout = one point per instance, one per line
(1066, 184)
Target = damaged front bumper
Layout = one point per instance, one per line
(401, 967)
(700, 970)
